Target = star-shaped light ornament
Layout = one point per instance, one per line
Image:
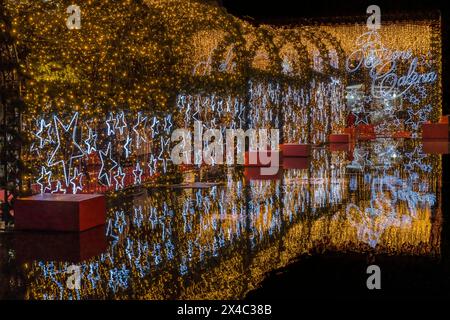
(111, 125)
(121, 123)
(67, 148)
(108, 165)
(417, 118)
(91, 141)
(119, 178)
(76, 181)
(43, 129)
(137, 172)
(127, 146)
(139, 129)
(59, 188)
(415, 159)
(45, 180)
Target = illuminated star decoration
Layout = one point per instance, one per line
(59, 188)
(120, 122)
(111, 124)
(119, 178)
(154, 125)
(416, 94)
(76, 181)
(33, 148)
(361, 159)
(417, 118)
(42, 126)
(139, 129)
(153, 164)
(127, 146)
(91, 142)
(415, 159)
(362, 117)
(168, 123)
(48, 176)
(108, 164)
(137, 174)
(70, 144)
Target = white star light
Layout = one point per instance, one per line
(76, 181)
(364, 119)
(106, 168)
(137, 174)
(33, 148)
(120, 122)
(42, 126)
(73, 145)
(168, 123)
(59, 188)
(111, 123)
(127, 146)
(91, 142)
(119, 178)
(48, 176)
(152, 164)
(415, 159)
(154, 124)
(421, 114)
(139, 129)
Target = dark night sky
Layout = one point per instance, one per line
(277, 9)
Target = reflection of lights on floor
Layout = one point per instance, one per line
(193, 232)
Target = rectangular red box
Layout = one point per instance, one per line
(254, 173)
(60, 246)
(436, 147)
(402, 134)
(296, 150)
(365, 132)
(256, 155)
(351, 131)
(60, 212)
(339, 138)
(336, 147)
(435, 131)
(296, 162)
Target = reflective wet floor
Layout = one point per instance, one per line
(312, 229)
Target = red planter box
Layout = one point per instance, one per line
(351, 131)
(60, 246)
(256, 155)
(296, 150)
(335, 147)
(254, 173)
(339, 138)
(435, 131)
(436, 147)
(60, 212)
(365, 132)
(402, 134)
(296, 162)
